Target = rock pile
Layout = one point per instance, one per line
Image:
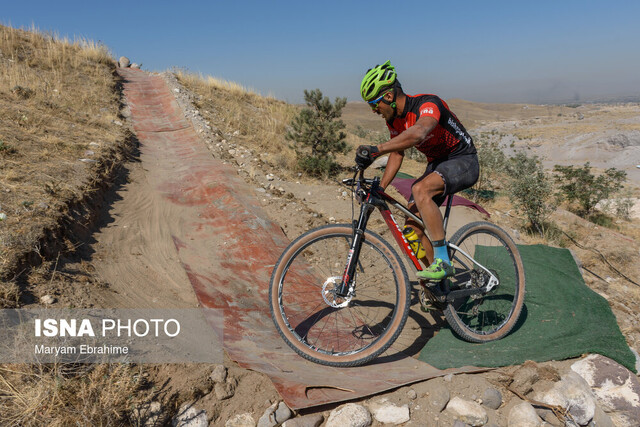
(124, 62)
(592, 392)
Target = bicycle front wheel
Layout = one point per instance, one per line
(319, 324)
(487, 256)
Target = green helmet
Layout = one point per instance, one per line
(376, 79)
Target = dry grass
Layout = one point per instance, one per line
(58, 104)
(64, 395)
(255, 122)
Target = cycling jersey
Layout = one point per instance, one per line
(448, 137)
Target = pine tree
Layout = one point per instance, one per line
(317, 134)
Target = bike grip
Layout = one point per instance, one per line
(363, 151)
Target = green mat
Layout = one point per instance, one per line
(562, 318)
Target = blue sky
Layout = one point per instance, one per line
(489, 51)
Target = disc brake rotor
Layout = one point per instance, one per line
(329, 293)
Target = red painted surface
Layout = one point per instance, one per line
(228, 248)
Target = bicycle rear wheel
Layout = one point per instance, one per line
(488, 316)
(323, 327)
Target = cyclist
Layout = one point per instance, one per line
(424, 122)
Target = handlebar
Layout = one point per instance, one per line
(360, 181)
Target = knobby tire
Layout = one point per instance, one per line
(491, 316)
(301, 297)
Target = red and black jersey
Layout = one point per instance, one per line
(448, 137)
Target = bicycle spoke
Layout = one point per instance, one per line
(339, 326)
(487, 316)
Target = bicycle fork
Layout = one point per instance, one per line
(347, 285)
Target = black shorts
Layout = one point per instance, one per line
(459, 171)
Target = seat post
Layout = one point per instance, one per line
(447, 212)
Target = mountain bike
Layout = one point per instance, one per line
(340, 294)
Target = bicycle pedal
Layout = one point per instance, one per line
(428, 301)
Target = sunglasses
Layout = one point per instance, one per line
(374, 102)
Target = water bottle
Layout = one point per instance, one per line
(414, 241)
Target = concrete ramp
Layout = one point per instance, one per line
(228, 247)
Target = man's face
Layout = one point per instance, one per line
(383, 109)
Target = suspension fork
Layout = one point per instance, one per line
(354, 251)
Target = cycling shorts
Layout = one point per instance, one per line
(458, 170)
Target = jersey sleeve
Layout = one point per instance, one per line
(430, 109)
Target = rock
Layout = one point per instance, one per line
(523, 415)
(386, 412)
(311, 420)
(492, 398)
(275, 415)
(148, 414)
(616, 389)
(459, 423)
(412, 395)
(219, 374)
(124, 62)
(136, 66)
(439, 398)
(635, 353)
(241, 420)
(601, 419)
(572, 393)
(524, 379)
(468, 411)
(380, 163)
(349, 415)
(283, 413)
(224, 390)
(189, 416)
(268, 418)
(47, 300)
(549, 417)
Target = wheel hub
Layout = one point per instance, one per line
(330, 293)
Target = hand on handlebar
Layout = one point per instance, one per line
(365, 155)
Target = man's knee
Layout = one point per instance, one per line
(431, 186)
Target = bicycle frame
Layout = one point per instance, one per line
(377, 198)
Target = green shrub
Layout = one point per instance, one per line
(493, 163)
(579, 185)
(530, 191)
(317, 133)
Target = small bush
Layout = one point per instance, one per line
(317, 133)
(530, 191)
(579, 185)
(493, 163)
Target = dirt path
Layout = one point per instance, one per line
(135, 253)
